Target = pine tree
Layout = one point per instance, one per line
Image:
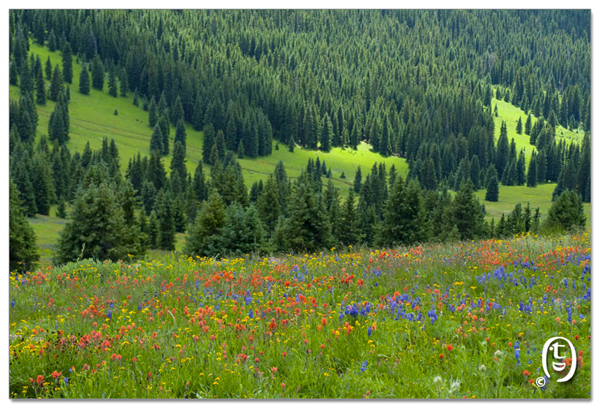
(240, 150)
(67, 63)
(404, 216)
(307, 227)
(519, 126)
(40, 95)
(84, 81)
(465, 213)
(528, 125)
(52, 45)
(96, 228)
(176, 111)
(584, 171)
(566, 212)
(97, 73)
(23, 252)
(178, 161)
(520, 169)
(123, 83)
(165, 130)
(112, 83)
(156, 141)
(350, 233)
(163, 207)
(56, 86)
(358, 181)
(291, 144)
(209, 140)
(152, 116)
(532, 177)
(326, 134)
(267, 205)
(48, 69)
(180, 135)
(204, 235)
(502, 154)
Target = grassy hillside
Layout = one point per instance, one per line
(92, 119)
(510, 114)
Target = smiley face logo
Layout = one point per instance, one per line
(558, 350)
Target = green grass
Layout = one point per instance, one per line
(540, 196)
(510, 114)
(92, 119)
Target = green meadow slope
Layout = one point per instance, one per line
(92, 119)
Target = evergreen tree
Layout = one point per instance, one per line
(326, 134)
(465, 213)
(56, 86)
(156, 140)
(208, 142)
(163, 207)
(350, 233)
(40, 95)
(307, 227)
(165, 130)
(502, 154)
(532, 177)
(48, 69)
(204, 235)
(528, 125)
(357, 181)
(97, 73)
(584, 180)
(96, 228)
(180, 135)
(152, 114)
(23, 252)
(520, 126)
(124, 83)
(566, 212)
(404, 215)
(67, 63)
(112, 83)
(84, 81)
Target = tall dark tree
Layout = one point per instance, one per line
(97, 73)
(67, 62)
(23, 252)
(84, 81)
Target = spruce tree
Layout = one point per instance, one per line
(123, 83)
(23, 252)
(56, 85)
(204, 235)
(528, 125)
(163, 207)
(48, 69)
(566, 212)
(357, 181)
(208, 133)
(40, 95)
(519, 126)
(97, 73)
(84, 81)
(326, 134)
(532, 177)
(96, 228)
(67, 63)
(112, 83)
(156, 141)
(465, 212)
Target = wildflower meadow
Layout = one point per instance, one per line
(462, 321)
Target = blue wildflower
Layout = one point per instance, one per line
(363, 367)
